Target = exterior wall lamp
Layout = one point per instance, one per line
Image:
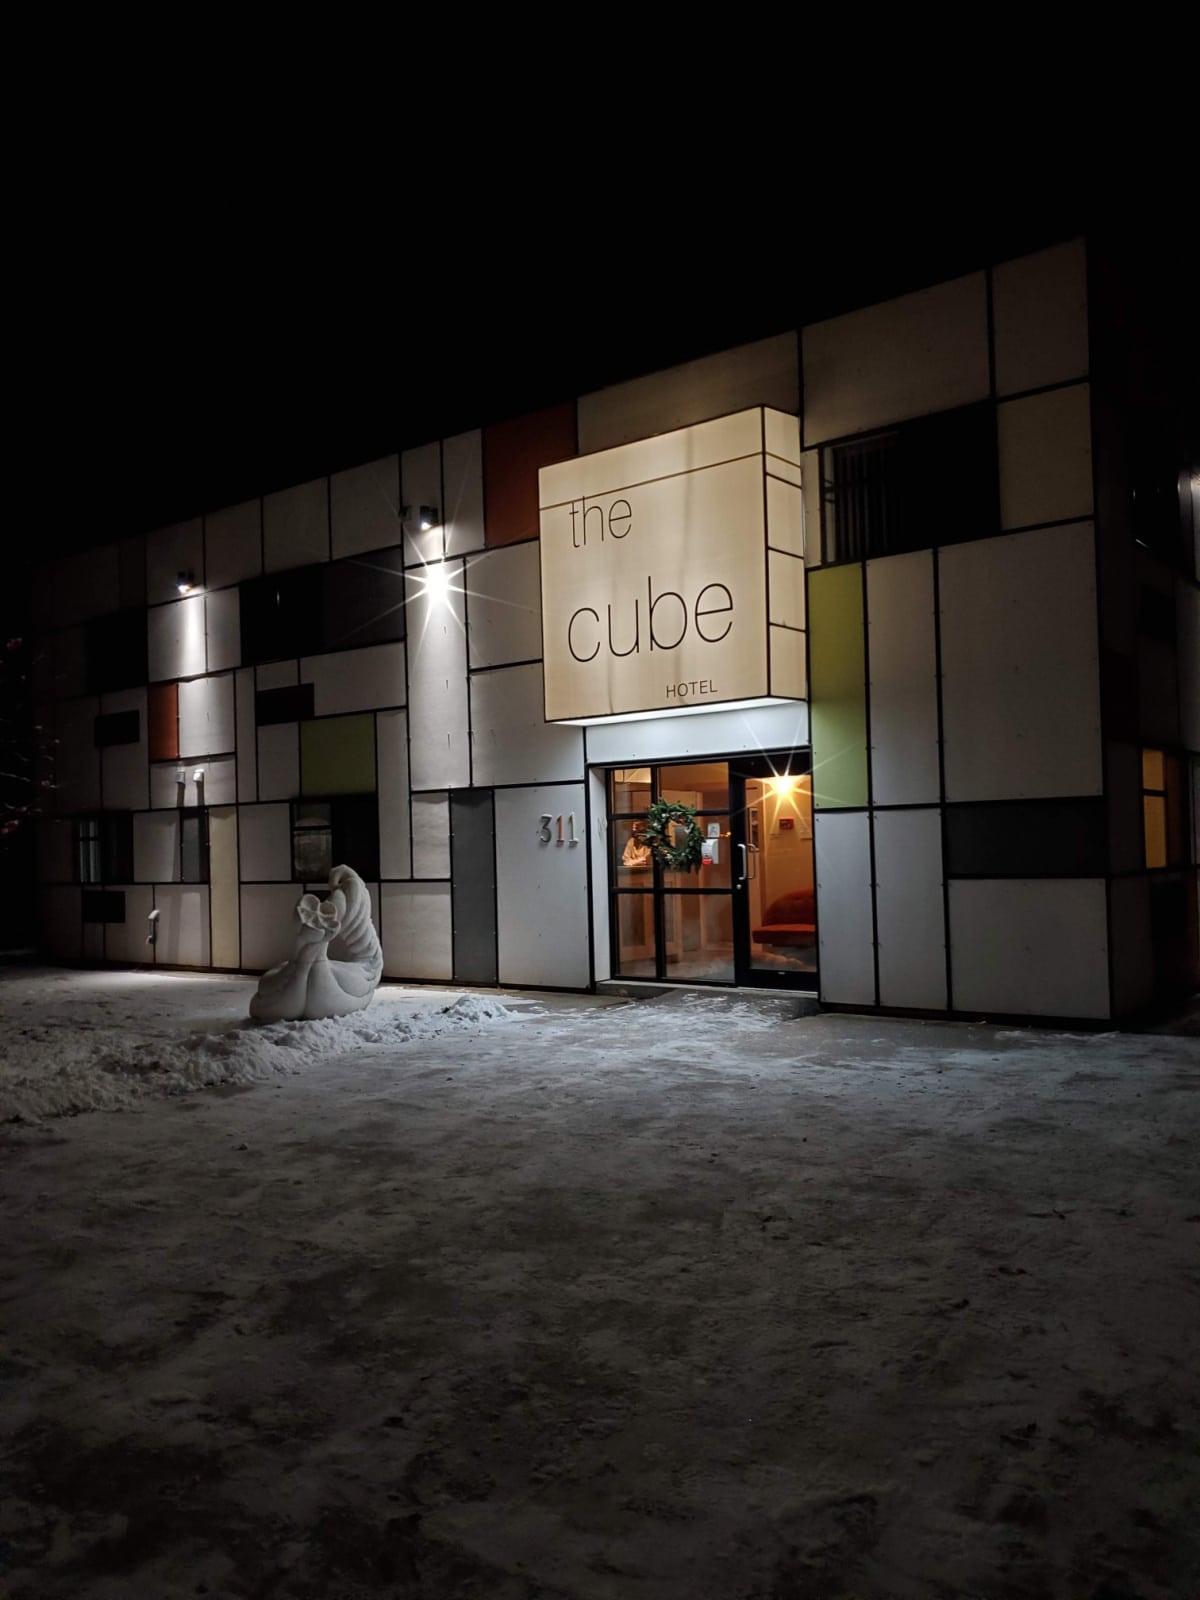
(425, 517)
(186, 582)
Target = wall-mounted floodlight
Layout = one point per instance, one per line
(186, 582)
(425, 517)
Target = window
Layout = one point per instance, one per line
(117, 727)
(924, 483)
(104, 848)
(1164, 829)
(327, 833)
(193, 845)
(281, 616)
(334, 606)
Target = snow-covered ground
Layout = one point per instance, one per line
(686, 1300)
(104, 1041)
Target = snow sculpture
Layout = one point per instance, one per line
(310, 985)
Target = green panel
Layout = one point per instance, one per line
(337, 755)
(838, 686)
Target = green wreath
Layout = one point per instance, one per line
(662, 820)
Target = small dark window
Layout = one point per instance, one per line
(929, 482)
(292, 703)
(326, 833)
(115, 651)
(281, 616)
(103, 905)
(363, 600)
(104, 848)
(117, 727)
(193, 846)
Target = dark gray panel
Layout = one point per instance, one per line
(473, 891)
(1026, 839)
(363, 600)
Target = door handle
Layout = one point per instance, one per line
(745, 865)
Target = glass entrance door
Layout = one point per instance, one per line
(774, 897)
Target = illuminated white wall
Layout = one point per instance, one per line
(902, 672)
(511, 741)
(265, 843)
(462, 480)
(846, 956)
(437, 689)
(909, 908)
(541, 889)
(183, 926)
(1027, 946)
(224, 624)
(430, 836)
(416, 932)
(365, 507)
(356, 680)
(1045, 448)
(176, 639)
(391, 777)
(504, 607)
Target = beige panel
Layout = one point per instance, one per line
(206, 725)
(247, 735)
(356, 680)
(909, 908)
(61, 922)
(902, 668)
(183, 931)
(781, 440)
(127, 941)
(365, 507)
(156, 846)
(268, 924)
(175, 639)
(785, 516)
(1025, 946)
(707, 444)
(124, 768)
(504, 606)
(430, 836)
(233, 544)
(279, 761)
(763, 373)
(265, 843)
(223, 885)
(223, 622)
(416, 933)
(391, 767)
(296, 526)
(908, 357)
(1020, 678)
(462, 475)
(76, 759)
(421, 485)
(1132, 950)
(1045, 446)
(789, 663)
(55, 849)
(786, 578)
(170, 551)
(511, 740)
(846, 956)
(437, 683)
(1039, 313)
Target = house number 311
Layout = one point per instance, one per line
(550, 829)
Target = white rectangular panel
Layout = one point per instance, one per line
(1029, 946)
(279, 761)
(296, 526)
(217, 784)
(511, 741)
(541, 889)
(417, 936)
(126, 941)
(902, 667)
(789, 663)
(223, 620)
(170, 552)
(462, 478)
(76, 759)
(846, 957)
(265, 843)
(206, 725)
(906, 357)
(60, 920)
(764, 373)
(786, 576)
(124, 768)
(909, 909)
(430, 836)
(182, 936)
(170, 782)
(715, 733)
(175, 639)
(356, 680)
(268, 924)
(437, 683)
(223, 885)
(785, 512)
(156, 846)
(1020, 672)
(1045, 444)
(391, 778)
(1039, 314)
(233, 544)
(421, 485)
(365, 507)
(246, 728)
(504, 606)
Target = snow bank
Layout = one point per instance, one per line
(63, 1064)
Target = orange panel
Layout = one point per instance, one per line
(163, 719)
(512, 453)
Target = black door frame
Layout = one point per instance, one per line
(795, 763)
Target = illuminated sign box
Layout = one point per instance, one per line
(673, 571)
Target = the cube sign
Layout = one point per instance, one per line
(673, 571)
